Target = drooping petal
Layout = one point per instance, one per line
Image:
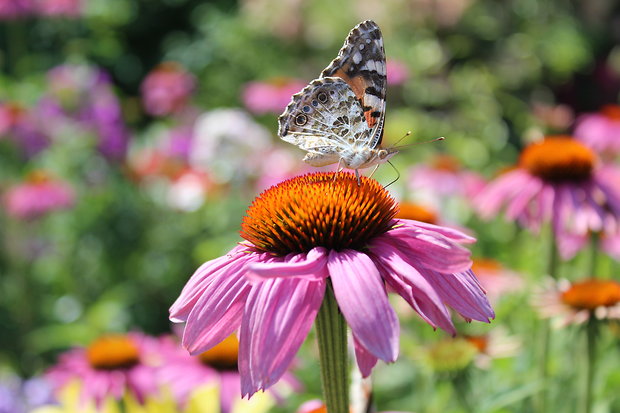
(179, 311)
(278, 315)
(407, 281)
(450, 233)
(462, 292)
(218, 311)
(310, 266)
(365, 360)
(362, 298)
(427, 249)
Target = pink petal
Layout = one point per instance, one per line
(426, 249)
(450, 233)
(310, 266)
(414, 288)
(193, 290)
(362, 298)
(365, 360)
(278, 315)
(462, 292)
(218, 311)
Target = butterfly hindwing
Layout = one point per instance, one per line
(325, 118)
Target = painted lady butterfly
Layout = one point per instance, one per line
(338, 118)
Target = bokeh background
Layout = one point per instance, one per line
(135, 133)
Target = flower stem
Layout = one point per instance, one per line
(332, 337)
(594, 240)
(552, 271)
(591, 336)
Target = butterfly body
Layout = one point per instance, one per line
(338, 118)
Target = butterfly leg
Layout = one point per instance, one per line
(338, 170)
(374, 170)
(357, 175)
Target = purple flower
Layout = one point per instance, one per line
(315, 232)
(64, 8)
(167, 89)
(21, 396)
(112, 366)
(38, 196)
(184, 374)
(271, 96)
(559, 181)
(14, 9)
(397, 72)
(601, 131)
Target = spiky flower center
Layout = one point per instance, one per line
(480, 342)
(591, 294)
(318, 210)
(408, 210)
(223, 356)
(611, 112)
(558, 159)
(113, 352)
(446, 163)
(485, 265)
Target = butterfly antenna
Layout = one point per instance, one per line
(441, 138)
(397, 174)
(400, 140)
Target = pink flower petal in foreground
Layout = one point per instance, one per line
(312, 233)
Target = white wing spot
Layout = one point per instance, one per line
(357, 58)
(361, 46)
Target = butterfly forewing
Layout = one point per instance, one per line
(339, 116)
(361, 63)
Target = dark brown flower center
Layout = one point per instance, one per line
(446, 163)
(113, 352)
(318, 210)
(591, 294)
(558, 159)
(612, 112)
(223, 356)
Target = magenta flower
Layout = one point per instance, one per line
(183, 374)
(38, 196)
(167, 89)
(601, 131)
(59, 8)
(317, 406)
(397, 72)
(112, 366)
(14, 9)
(559, 181)
(315, 232)
(271, 96)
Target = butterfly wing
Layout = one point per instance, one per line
(325, 119)
(361, 64)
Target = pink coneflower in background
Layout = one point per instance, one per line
(315, 232)
(167, 89)
(496, 279)
(558, 180)
(576, 302)
(184, 374)
(59, 8)
(270, 96)
(444, 177)
(397, 72)
(113, 366)
(14, 9)
(37, 196)
(601, 131)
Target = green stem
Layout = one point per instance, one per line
(552, 271)
(591, 335)
(332, 337)
(460, 383)
(594, 238)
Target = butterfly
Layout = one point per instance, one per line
(338, 118)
